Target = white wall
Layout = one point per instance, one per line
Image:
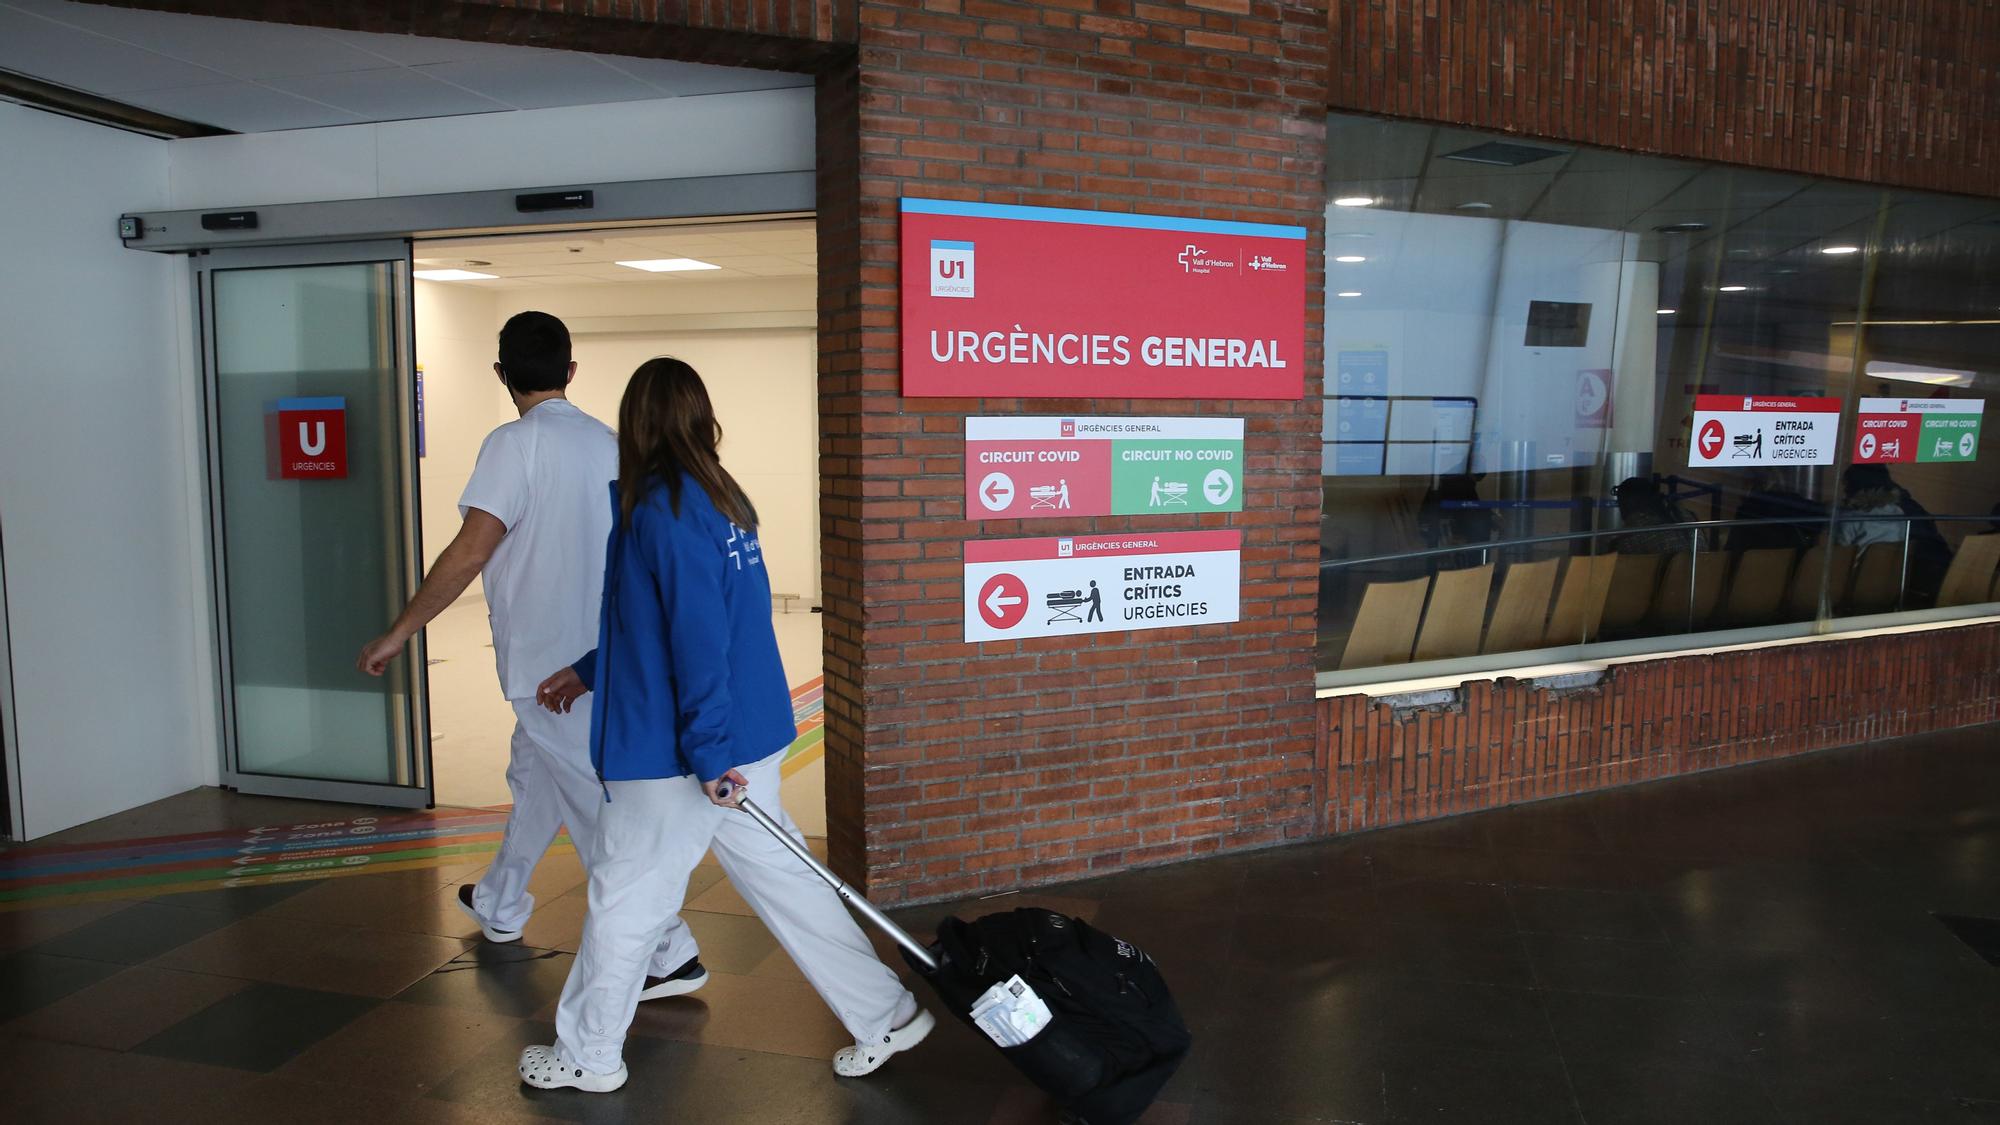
(463, 399)
(709, 135)
(764, 382)
(113, 661)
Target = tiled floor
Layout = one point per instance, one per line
(1752, 946)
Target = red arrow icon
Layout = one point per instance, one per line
(1003, 601)
(1710, 441)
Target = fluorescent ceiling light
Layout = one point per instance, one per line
(1665, 312)
(1355, 201)
(669, 265)
(1840, 249)
(1931, 376)
(1350, 259)
(1734, 288)
(1475, 205)
(450, 275)
(1349, 293)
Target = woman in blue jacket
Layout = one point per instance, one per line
(691, 694)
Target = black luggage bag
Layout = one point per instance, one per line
(1114, 1037)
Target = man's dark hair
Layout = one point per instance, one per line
(534, 353)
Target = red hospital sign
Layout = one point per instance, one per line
(1042, 302)
(306, 438)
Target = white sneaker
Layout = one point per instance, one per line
(866, 1058)
(492, 932)
(545, 1069)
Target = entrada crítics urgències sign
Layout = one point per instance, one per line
(1041, 302)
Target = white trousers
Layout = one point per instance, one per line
(553, 783)
(649, 839)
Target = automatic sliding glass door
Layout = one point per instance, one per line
(308, 364)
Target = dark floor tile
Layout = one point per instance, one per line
(730, 943)
(1960, 990)
(1597, 871)
(1981, 935)
(29, 981)
(1439, 1014)
(1437, 953)
(137, 933)
(1286, 1067)
(1845, 1107)
(240, 902)
(260, 1028)
(1802, 1053)
(1450, 1085)
(1625, 968)
(506, 980)
(1629, 1031)
(1638, 1093)
(1396, 861)
(1585, 913)
(1461, 907)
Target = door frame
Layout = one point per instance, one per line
(420, 792)
(13, 811)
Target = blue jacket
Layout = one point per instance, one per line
(686, 667)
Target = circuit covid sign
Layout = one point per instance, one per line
(1037, 468)
(1891, 431)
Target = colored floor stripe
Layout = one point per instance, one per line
(201, 861)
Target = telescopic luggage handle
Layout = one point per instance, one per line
(916, 949)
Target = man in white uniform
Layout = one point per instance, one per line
(536, 519)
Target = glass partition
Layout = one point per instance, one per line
(1592, 403)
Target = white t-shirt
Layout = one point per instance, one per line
(545, 476)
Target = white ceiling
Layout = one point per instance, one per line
(251, 77)
(776, 248)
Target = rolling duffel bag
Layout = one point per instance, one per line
(1083, 1015)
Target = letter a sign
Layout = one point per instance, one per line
(306, 438)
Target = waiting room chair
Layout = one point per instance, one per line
(1758, 586)
(1456, 614)
(1385, 627)
(1578, 613)
(1521, 613)
(1970, 578)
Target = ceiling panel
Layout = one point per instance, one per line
(395, 94)
(269, 111)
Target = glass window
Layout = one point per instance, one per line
(1591, 403)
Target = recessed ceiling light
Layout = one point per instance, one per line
(1349, 293)
(669, 265)
(1665, 312)
(1350, 259)
(1476, 205)
(1842, 249)
(450, 275)
(1355, 201)
(1734, 288)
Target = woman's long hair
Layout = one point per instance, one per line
(666, 428)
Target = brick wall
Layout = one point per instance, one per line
(1505, 741)
(983, 766)
(1896, 91)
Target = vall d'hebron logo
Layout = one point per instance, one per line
(1196, 259)
(951, 268)
(1263, 263)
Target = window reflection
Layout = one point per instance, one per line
(1584, 401)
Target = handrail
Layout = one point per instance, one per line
(1612, 533)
